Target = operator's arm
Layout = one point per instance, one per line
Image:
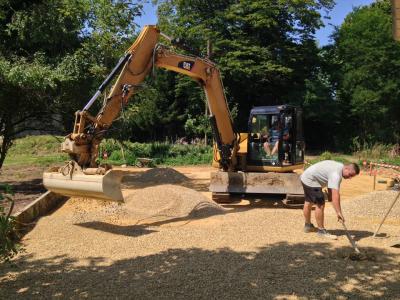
(334, 196)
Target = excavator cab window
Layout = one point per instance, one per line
(264, 136)
(275, 136)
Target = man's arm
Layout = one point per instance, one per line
(334, 196)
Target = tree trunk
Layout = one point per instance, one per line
(6, 141)
(5, 145)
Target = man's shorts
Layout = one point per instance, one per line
(313, 194)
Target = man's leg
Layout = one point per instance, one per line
(308, 226)
(267, 148)
(307, 212)
(275, 149)
(319, 215)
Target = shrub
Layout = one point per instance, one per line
(8, 237)
(326, 155)
(160, 152)
(329, 156)
(116, 155)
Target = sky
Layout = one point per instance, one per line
(337, 15)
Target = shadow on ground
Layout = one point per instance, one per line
(129, 230)
(313, 270)
(356, 234)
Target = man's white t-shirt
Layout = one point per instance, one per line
(325, 173)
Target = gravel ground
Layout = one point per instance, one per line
(89, 249)
(374, 204)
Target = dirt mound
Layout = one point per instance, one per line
(169, 201)
(153, 177)
(374, 204)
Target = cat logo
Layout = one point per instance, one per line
(187, 65)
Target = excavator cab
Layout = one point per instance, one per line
(269, 154)
(275, 136)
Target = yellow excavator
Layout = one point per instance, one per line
(260, 161)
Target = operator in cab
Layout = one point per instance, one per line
(272, 139)
(327, 173)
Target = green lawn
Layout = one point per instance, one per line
(35, 151)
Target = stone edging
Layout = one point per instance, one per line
(40, 207)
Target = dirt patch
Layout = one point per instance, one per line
(26, 183)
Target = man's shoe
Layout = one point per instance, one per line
(326, 235)
(309, 228)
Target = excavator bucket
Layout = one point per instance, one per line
(288, 184)
(102, 187)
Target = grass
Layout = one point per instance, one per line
(35, 151)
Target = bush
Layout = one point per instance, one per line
(8, 237)
(329, 156)
(161, 153)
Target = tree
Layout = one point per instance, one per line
(53, 55)
(8, 237)
(265, 49)
(368, 75)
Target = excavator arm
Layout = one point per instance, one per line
(144, 54)
(136, 64)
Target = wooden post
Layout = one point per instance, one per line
(374, 179)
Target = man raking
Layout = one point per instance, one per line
(327, 173)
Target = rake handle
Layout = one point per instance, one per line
(352, 242)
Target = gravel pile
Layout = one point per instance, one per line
(155, 193)
(374, 204)
(153, 177)
(169, 201)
